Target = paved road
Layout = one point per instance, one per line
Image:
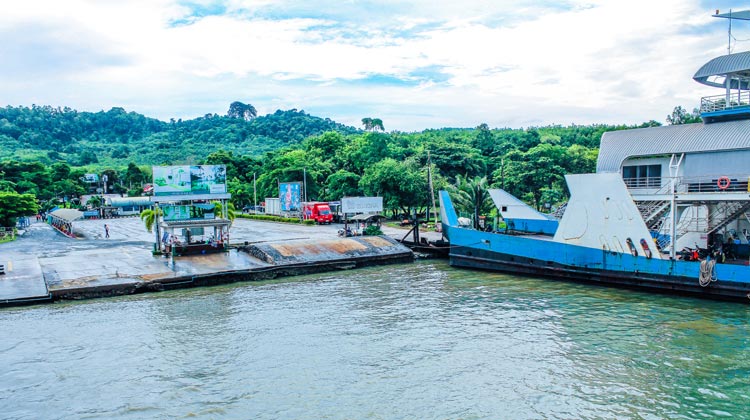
(131, 230)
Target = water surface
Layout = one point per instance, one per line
(420, 341)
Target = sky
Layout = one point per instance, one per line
(416, 65)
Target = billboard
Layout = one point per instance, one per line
(90, 178)
(189, 180)
(188, 212)
(289, 196)
(361, 204)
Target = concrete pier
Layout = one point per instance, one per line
(22, 283)
(48, 266)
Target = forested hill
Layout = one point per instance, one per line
(117, 137)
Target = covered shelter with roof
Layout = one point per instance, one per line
(362, 221)
(188, 219)
(129, 206)
(62, 220)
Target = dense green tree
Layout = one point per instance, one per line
(95, 201)
(66, 188)
(402, 185)
(240, 167)
(366, 150)
(484, 140)
(581, 160)
(111, 178)
(121, 152)
(7, 186)
(87, 157)
(14, 205)
(681, 116)
(342, 184)
(293, 165)
(111, 137)
(38, 145)
(373, 124)
(134, 175)
(60, 171)
(526, 173)
(242, 192)
(455, 159)
(327, 146)
(240, 110)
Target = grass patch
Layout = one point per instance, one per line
(7, 237)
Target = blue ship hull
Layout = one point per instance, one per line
(529, 255)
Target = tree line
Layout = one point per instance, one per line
(332, 160)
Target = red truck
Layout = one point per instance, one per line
(320, 212)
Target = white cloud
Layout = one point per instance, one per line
(509, 65)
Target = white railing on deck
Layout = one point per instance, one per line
(719, 102)
(686, 185)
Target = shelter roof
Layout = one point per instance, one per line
(130, 201)
(366, 217)
(616, 146)
(68, 215)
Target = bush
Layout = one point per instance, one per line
(269, 218)
(372, 230)
(308, 222)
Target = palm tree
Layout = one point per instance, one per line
(472, 196)
(150, 217)
(95, 202)
(231, 211)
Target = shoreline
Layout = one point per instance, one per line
(47, 267)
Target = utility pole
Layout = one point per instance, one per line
(432, 191)
(255, 195)
(304, 181)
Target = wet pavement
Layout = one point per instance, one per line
(45, 259)
(22, 280)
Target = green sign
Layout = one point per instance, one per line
(185, 180)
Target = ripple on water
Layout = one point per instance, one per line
(406, 341)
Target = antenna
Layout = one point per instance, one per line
(741, 15)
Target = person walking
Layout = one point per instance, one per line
(106, 230)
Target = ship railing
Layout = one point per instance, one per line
(737, 182)
(722, 102)
(643, 182)
(714, 183)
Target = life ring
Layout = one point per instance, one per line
(723, 182)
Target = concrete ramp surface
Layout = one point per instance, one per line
(310, 251)
(23, 281)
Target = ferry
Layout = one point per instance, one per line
(667, 210)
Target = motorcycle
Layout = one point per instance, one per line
(698, 253)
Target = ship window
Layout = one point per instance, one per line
(642, 176)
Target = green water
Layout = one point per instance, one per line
(416, 341)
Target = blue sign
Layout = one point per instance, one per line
(289, 196)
